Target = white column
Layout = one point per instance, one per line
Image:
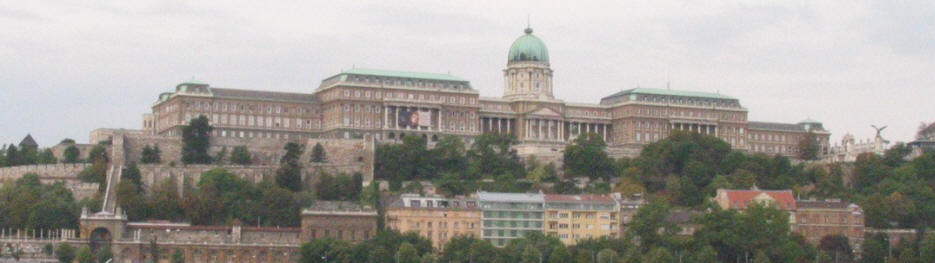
(508, 125)
(587, 128)
(396, 121)
(499, 125)
(528, 128)
(561, 130)
(548, 129)
(386, 117)
(441, 120)
(539, 128)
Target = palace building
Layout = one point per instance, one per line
(388, 105)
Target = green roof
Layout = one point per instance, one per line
(668, 92)
(528, 48)
(403, 74)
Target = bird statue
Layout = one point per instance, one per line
(879, 130)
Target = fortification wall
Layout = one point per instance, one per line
(46, 172)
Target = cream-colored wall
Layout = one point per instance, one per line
(437, 225)
(570, 235)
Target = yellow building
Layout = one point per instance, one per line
(435, 218)
(571, 218)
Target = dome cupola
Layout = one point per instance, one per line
(528, 48)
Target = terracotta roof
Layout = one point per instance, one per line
(740, 199)
(579, 198)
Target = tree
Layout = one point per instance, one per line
(318, 154)
(12, 156)
(586, 157)
(449, 155)
(607, 256)
(98, 153)
(151, 154)
(220, 156)
(178, 257)
(85, 256)
(407, 253)
(47, 157)
(71, 154)
(927, 246)
(650, 226)
(530, 255)
(560, 255)
(808, 147)
(707, 254)
(67, 141)
(289, 173)
(104, 254)
(196, 138)
(658, 255)
(65, 253)
(240, 155)
(760, 257)
(492, 155)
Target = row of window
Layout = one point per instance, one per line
(259, 121)
(463, 100)
(408, 82)
(441, 225)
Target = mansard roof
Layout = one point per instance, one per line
(403, 74)
(263, 95)
(775, 126)
(668, 92)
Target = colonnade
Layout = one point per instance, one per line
(705, 129)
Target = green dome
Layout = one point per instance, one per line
(528, 48)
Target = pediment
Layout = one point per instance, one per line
(545, 111)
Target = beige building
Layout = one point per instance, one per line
(340, 220)
(816, 219)
(436, 218)
(390, 104)
(571, 218)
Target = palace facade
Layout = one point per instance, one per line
(388, 105)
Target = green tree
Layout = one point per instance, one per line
(559, 255)
(530, 255)
(104, 254)
(151, 154)
(85, 256)
(240, 155)
(492, 155)
(165, 201)
(760, 257)
(65, 253)
(650, 226)
(132, 200)
(927, 246)
(318, 154)
(178, 257)
(427, 258)
(71, 154)
(808, 147)
(196, 138)
(586, 157)
(707, 254)
(607, 256)
(47, 157)
(220, 156)
(407, 253)
(289, 174)
(658, 255)
(894, 156)
(98, 153)
(449, 155)
(12, 156)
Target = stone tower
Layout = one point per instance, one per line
(527, 74)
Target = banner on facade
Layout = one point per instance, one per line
(425, 118)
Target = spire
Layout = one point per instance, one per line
(528, 27)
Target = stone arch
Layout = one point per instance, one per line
(100, 237)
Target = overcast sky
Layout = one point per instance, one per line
(69, 67)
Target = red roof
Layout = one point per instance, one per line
(579, 198)
(740, 199)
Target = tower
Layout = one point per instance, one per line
(527, 74)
